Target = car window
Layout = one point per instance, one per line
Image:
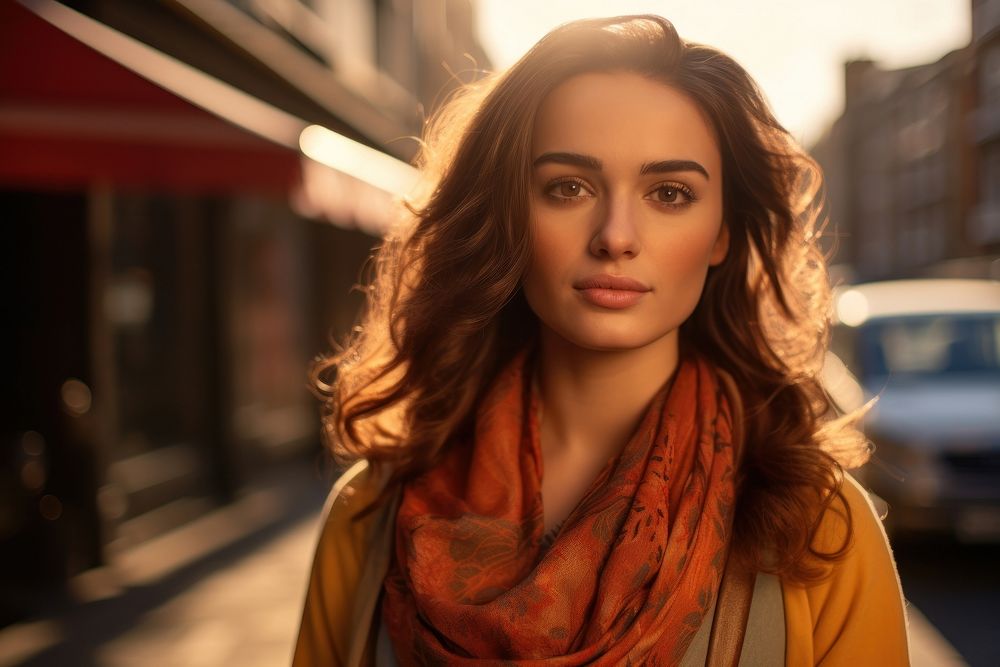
(926, 346)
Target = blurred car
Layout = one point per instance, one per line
(929, 350)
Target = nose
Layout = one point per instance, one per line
(616, 237)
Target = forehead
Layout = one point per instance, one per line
(624, 117)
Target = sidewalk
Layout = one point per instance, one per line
(227, 590)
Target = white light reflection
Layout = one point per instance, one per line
(363, 163)
(852, 308)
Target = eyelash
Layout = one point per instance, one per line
(679, 187)
(551, 188)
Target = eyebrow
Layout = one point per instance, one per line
(589, 162)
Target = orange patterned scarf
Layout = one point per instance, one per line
(632, 572)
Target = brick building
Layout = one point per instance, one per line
(911, 164)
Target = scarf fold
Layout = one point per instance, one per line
(631, 573)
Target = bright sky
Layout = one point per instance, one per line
(795, 49)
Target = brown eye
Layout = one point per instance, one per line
(667, 195)
(569, 189)
(673, 197)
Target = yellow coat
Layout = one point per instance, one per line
(854, 617)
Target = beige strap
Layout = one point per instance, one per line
(732, 611)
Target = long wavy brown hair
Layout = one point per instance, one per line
(445, 310)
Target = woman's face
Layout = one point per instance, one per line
(625, 210)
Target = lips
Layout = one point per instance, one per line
(613, 292)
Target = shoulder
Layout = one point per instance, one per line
(342, 532)
(341, 553)
(851, 524)
(858, 609)
(354, 489)
(850, 521)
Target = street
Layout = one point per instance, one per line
(957, 587)
(225, 590)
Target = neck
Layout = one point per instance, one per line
(592, 401)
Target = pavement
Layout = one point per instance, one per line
(227, 589)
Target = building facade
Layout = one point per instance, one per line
(908, 165)
(984, 223)
(169, 285)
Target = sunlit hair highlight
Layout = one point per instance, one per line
(445, 311)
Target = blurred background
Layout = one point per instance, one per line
(189, 190)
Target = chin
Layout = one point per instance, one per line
(603, 339)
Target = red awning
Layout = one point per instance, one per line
(72, 115)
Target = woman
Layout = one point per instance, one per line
(586, 388)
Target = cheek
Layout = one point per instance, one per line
(550, 248)
(684, 261)
(546, 242)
